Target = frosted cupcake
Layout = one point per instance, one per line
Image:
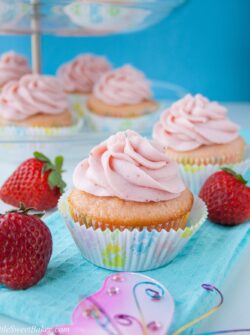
(196, 131)
(34, 101)
(121, 99)
(128, 182)
(129, 208)
(12, 67)
(79, 76)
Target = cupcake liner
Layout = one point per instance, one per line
(132, 250)
(191, 161)
(100, 123)
(77, 103)
(195, 176)
(13, 132)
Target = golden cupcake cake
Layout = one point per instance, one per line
(196, 131)
(34, 101)
(12, 67)
(124, 92)
(128, 182)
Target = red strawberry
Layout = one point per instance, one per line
(227, 197)
(25, 249)
(36, 183)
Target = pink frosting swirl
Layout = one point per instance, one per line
(12, 67)
(192, 122)
(82, 73)
(124, 86)
(31, 95)
(129, 167)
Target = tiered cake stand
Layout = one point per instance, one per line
(79, 18)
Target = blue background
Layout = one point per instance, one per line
(203, 46)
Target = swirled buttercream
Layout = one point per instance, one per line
(124, 86)
(129, 167)
(12, 67)
(32, 94)
(192, 122)
(82, 73)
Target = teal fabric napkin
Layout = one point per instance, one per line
(207, 258)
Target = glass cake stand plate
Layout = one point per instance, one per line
(82, 17)
(73, 147)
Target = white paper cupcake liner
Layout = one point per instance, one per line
(195, 176)
(98, 123)
(77, 104)
(132, 250)
(13, 132)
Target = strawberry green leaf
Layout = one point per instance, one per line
(55, 180)
(41, 157)
(47, 167)
(55, 169)
(238, 176)
(59, 163)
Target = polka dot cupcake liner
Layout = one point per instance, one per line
(131, 250)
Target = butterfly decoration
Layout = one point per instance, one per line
(130, 304)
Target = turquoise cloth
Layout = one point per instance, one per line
(207, 258)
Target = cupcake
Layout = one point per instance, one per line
(121, 98)
(128, 199)
(128, 182)
(196, 131)
(12, 67)
(34, 101)
(79, 76)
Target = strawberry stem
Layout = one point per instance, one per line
(23, 210)
(238, 176)
(55, 176)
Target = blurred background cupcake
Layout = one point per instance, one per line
(79, 76)
(126, 188)
(35, 101)
(12, 67)
(197, 133)
(121, 99)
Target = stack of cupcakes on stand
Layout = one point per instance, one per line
(129, 208)
(198, 135)
(79, 76)
(121, 99)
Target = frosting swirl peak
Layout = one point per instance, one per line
(131, 168)
(12, 67)
(124, 86)
(192, 122)
(32, 94)
(82, 73)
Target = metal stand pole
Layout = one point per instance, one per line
(36, 38)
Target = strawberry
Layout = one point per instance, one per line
(36, 183)
(227, 197)
(25, 248)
